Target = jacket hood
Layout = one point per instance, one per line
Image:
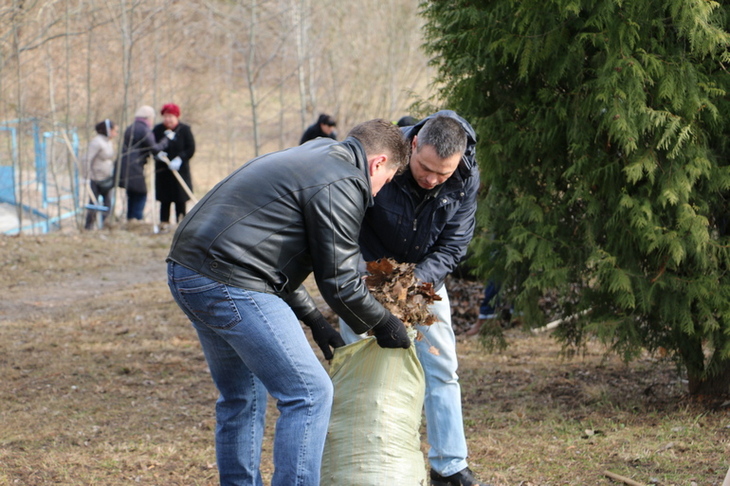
(468, 160)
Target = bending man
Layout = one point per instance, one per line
(236, 268)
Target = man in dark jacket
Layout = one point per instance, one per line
(426, 217)
(180, 150)
(139, 144)
(236, 268)
(323, 127)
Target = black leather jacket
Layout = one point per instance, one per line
(279, 217)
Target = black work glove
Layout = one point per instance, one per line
(391, 333)
(323, 333)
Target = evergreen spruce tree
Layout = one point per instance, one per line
(603, 143)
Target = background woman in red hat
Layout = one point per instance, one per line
(179, 151)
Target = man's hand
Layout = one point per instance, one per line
(323, 333)
(392, 334)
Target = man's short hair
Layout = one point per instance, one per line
(445, 134)
(380, 135)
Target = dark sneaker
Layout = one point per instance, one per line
(463, 478)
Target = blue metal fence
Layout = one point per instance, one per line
(34, 196)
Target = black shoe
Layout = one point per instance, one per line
(463, 478)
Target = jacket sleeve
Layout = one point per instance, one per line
(301, 302)
(333, 218)
(155, 147)
(188, 143)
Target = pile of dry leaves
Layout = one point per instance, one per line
(396, 287)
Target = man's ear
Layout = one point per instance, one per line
(414, 143)
(376, 162)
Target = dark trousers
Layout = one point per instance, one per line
(103, 198)
(487, 307)
(135, 205)
(165, 210)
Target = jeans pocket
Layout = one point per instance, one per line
(210, 304)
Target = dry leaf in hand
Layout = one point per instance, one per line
(395, 286)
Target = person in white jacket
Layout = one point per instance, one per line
(100, 167)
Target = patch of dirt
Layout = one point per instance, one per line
(104, 383)
(52, 270)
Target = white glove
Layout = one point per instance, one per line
(161, 155)
(170, 134)
(175, 163)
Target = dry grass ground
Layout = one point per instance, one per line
(103, 383)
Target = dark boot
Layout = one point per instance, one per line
(463, 478)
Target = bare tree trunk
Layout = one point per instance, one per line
(125, 28)
(89, 45)
(310, 58)
(230, 129)
(716, 384)
(301, 40)
(70, 162)
(156, 62)
(50, 165)
(155, 103)
(251, 77)
(707, 377)
(282, 106)
(18, 162)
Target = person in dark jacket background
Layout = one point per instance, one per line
(180, 150)
(139, 144)
(236, 268)
(323, 127)
(427, 217)
(407, 121)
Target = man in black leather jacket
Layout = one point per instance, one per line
(236, 268)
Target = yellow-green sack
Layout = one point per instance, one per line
(373, 437)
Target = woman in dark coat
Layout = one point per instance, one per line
(139, 143)
(180, 150)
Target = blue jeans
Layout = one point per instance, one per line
(254, 343)
(135, 205)
(486, 308)
(442, 403)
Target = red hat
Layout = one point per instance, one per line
(172, 109)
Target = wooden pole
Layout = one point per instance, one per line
(179, 179)
(623, 479)
(552, 325)
(155, 226)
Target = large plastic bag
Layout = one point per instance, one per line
(373, 437)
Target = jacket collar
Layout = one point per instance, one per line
(360, 161)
